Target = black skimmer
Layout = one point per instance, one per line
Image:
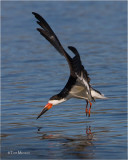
(78, 85)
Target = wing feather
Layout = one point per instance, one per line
(76, 68)
(48, 33)
(79, 91)
(81, 73)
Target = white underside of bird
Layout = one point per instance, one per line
(80, 93)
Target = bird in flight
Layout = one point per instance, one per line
(78, 85)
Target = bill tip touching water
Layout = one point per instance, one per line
(78, 85)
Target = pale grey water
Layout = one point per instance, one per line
(33, 71)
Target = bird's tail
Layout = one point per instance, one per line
(97, 95)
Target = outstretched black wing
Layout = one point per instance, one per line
(82, 75)
(48, 33)
(77, 64)
(76, 68)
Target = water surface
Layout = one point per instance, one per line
(32, 71)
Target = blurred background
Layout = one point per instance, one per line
(32, 71)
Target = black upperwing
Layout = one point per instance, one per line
(48, 33)
(76, 68)
(77, 64)
(80, 72)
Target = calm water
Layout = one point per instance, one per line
(32, 71)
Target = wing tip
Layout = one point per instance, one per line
(39, 29)
(34, 13)
(73, 49)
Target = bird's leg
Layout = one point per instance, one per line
(89, 109)
(86, 111)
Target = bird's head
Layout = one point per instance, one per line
(54, 100)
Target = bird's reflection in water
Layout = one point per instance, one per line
(89, 133)
(88, 136)
(78, 146)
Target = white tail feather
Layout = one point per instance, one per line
(97, 95)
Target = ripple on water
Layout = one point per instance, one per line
(32, 71)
